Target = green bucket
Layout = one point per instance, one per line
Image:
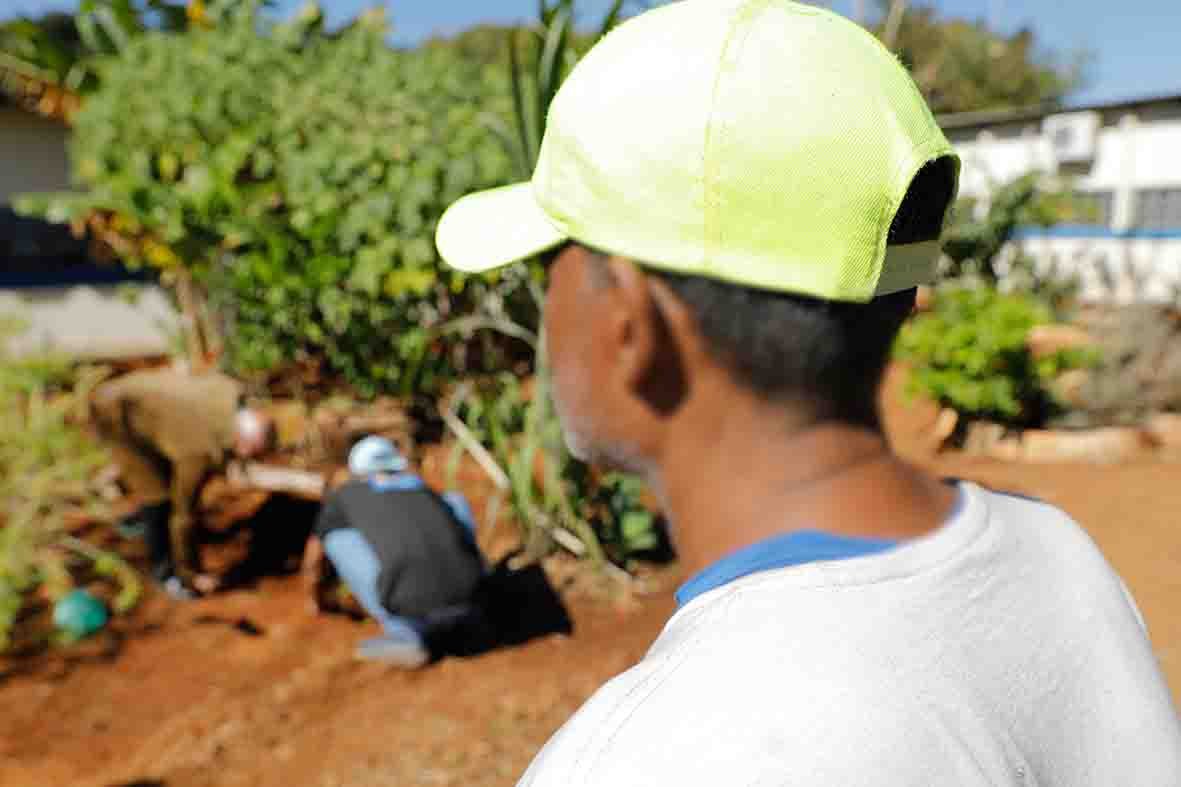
(79, 614)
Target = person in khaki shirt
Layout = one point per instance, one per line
(168, 431)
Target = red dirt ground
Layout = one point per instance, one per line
(187, 704)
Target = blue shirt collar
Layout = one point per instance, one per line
(395, 482)
(790, 549)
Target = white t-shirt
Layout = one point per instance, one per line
(1001, 649)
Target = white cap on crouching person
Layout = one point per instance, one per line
(374, 455)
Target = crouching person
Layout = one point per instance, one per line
(407, 554)
(168, 431)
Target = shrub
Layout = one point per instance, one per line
(970, 353)
(298, 177)
(623, 524)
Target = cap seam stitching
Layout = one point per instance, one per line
(711, 226)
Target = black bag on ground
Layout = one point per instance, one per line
(510, 607)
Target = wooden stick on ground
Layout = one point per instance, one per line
(273, 478)
(469, 441)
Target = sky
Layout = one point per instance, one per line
(1134, 44)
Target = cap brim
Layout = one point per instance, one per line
(490, 229)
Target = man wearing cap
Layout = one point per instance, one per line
(742, 197)
(168, 431)
(407, 554)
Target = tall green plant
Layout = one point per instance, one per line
(536, 71)
(551, 492)
(47, 471)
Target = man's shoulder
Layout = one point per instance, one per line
(362, 492)
(169, 381)
(1036, 522)
(579, 744)
(352, 489)
(133, 383)
(215, 385)
(660, 723)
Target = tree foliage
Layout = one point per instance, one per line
(48, 63)
(962, 65)
(299, 177)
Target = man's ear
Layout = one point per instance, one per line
(631, 320)
(651, 351)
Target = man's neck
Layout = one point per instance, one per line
(751, 475)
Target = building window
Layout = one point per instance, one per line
(1092, 208)
(1158, 209)
(1063, 137)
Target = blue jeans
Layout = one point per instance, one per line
(358, 565)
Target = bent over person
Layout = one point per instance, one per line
(407, 554)
(169, 430)
(744, 196)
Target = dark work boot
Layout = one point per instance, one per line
(156, 537)
(152, 523)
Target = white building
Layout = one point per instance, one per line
(65, 302)
(1125, 156)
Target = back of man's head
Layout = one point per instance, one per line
(778, 174)
(374, 455)
(827, 356)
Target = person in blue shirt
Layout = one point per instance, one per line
(407, 554)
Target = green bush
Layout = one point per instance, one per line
(298, 176)
(623, 524)
(970, 353)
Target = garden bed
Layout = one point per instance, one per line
(196, 699)
(1158, 437)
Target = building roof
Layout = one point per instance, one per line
(995, 117)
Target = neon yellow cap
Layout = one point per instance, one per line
(761, 142)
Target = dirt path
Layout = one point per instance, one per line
(188, 704)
